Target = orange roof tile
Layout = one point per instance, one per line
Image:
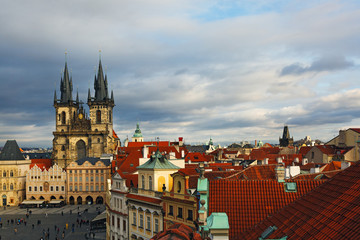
(330, 211)
(178, 231)
(249, 202)
(143, 198)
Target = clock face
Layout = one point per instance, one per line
(80, 116)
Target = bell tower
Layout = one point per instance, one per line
(65, 112)
(101, 115)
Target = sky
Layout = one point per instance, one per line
(230, 70)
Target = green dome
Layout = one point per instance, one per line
(137, 132)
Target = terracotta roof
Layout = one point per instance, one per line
(333, 165)
(249, 202)
(356, 129)
(304, 150)
(155, 143)
(257, 172)
(330, 211)
(178, 231)
(196, 157)
(143, 198)
(47, 163)
(319, 175)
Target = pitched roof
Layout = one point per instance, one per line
(304, 150)
(158, 161)
(356, 130)
(257, 172)
(11, 151)
(330, 211)
(247, 202)
(93, 161)
(178, 231)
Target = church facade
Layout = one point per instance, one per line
(77, 134)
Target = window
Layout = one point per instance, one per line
(51, 188)
(113, 220)
(87, 187)
(190, 215)
(102, 178)
(118, 223)
(71, 188)
(87, 179)
(35, 189)
(180, 213)
(70, 179)
(91, 178)
(97, 187)
(102, 187)
(62, 148)
(98, 116)
(91, 188)
(141, 221)
(70, 171)
(150, 183)
(11, 173)
(110, 116)
(142, 182)
(29, 189)
(11, 186)
(63, 118)
(57, 188)
(62, 188)
(40, 188)
(97, 178)
(156, 225)
(148, 223)
(80, 187)
(80, 179)
(76, 188)
(312, 155)
(171, 210)
(4, 186)
(124, 225)
(75, 179)
(178, 186)
(134, 218)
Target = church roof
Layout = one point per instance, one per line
(11, 151)
(93, 161)
(137, 131)
(158, 161)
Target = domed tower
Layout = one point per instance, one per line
(101, 116)
(137, 137)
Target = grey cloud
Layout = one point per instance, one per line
(328, 63)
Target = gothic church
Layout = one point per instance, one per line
(78, 135)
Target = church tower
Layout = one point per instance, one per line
(286, 140)
(77, 135)
(101, 115)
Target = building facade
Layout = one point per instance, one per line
(86, 180)
(78, 135)
(117, 211)
(47, 185)
(13, 169)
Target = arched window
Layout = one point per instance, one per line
(11, 173)
(178, 186)
(4, 173)
(63, 118)
(150, 183)
(81, 149)
(11, 186)
(143, 182)
(98, 116)
(4, 186)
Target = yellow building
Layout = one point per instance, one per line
(144, 203)
(13, 169)
(86, 180)
(348, 138)
(47, 185)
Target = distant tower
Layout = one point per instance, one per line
(137, 137)
(77, 135)
(286, 141)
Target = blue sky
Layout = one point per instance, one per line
(232, 70)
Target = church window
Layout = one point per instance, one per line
(110, 116)
(81, 149)
(63, 118)
(62, 148)
(150, 183)
(98, 116)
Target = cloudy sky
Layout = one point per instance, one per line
(230, 70)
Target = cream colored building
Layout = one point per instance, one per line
(13, 169)
(117, 211)
(47, 185)
(144, 203)
(86, 180)
(348, 138)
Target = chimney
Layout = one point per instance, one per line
(182, 153)
(296, 160)
(305, 161)
(280, 173)
(145, 152)
(279, 160)
(266, 161)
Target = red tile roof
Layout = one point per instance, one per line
(304, 150)
(196, 157)
(178, 231)
(319, 175)
(356, 129)
(154, 143)
(330, 211)
(143, 198)
(257, 172)
(249, 202)
(334, 165)
(41, 163)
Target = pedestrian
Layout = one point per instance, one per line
(15, 231)
(70, 211)
(55, 228)
(46, 215)
(62, 213)
(25, 222)
(63, 235)
(33, 226)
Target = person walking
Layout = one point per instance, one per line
(15, 231)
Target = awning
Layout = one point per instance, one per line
(56, 201)
(101, 216)
(32, 202)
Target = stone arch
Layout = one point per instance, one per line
(63, 117)
(61, 197)
(41, 198)
(81, 149)
(52, 198)
(79, 200)
(89, 200)
(71, 200)
(32, 198)
(99, 200)
(4, 200)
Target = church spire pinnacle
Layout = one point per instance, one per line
(100, 84)
(66, 86)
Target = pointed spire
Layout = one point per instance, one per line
(89, 96)
(100, 84)
(77, 97)
(55, 98)
(112, 95)
(66, 85)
